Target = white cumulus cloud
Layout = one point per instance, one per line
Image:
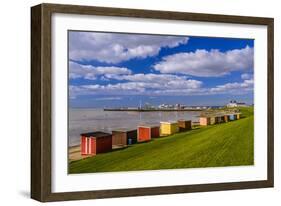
(90, 72)
(246, 76)
(139, 87)
(150, 77)
(234, 87)
(116, 47)
(205, 63)
(169, 88)
(108, 98)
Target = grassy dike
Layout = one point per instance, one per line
(226, 144)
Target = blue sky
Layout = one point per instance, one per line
(115, 69)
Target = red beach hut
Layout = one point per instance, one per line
(146, 132)
(95, 142)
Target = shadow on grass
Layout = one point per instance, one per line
(118, 149)
(195, 128)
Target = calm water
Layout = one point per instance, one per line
(89, 120)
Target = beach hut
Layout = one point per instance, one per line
(204, 121)
(95, 142)
(232, 117)
(146, 132)
(184, 125)
(123, 137)
(212, 120)
(168, 128)
(226, 118)
(119, 139)
(219, 119)
(238, 115)
(132, 136)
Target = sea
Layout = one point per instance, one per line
(82, 120)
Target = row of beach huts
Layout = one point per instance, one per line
(100, 142)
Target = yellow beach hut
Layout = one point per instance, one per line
(168, 128)
(213, 120)
(238, 115)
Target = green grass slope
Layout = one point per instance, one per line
(226, 144)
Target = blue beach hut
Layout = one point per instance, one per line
(232, 117)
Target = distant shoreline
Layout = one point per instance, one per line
(152, 110)
(135, 108)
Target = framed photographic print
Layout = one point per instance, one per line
(130, 102)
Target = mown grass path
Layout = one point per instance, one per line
(226, 144)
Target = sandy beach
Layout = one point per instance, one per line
(74, 153)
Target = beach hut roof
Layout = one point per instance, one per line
(95, 134)
(148, 125)
(234, 113)
(185, 120)
(208, 115)
(169, 122)
(123, 130)
(219, 114)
